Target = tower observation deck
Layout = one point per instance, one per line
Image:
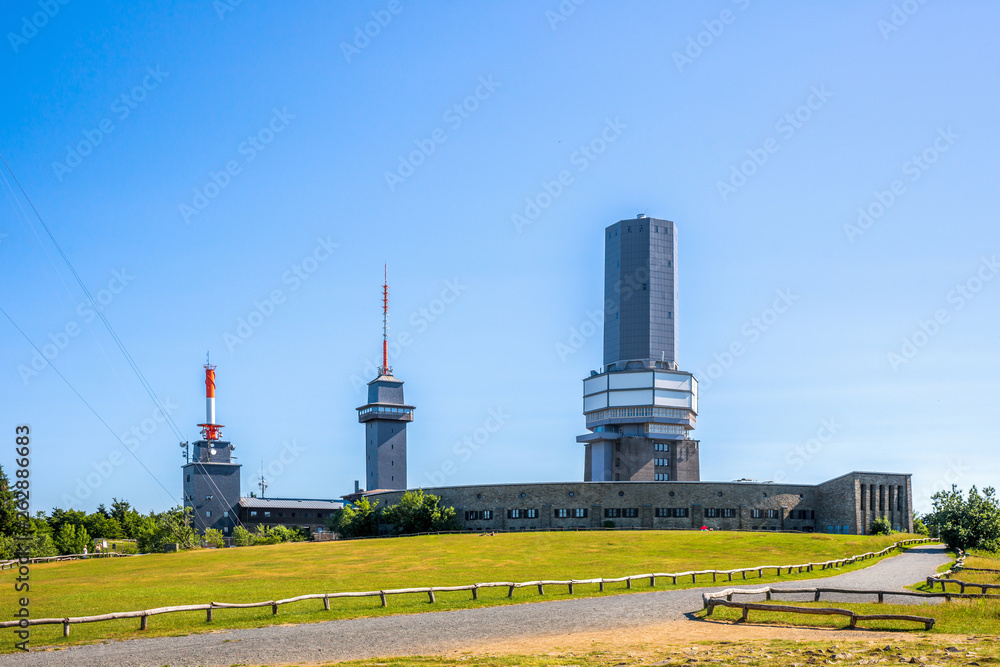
(640, 408)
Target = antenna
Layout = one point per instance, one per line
(263, 482)
(210, 430)
(385, 370)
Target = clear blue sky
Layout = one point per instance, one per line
(309, 129)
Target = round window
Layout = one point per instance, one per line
(621, 493)
(571, 494)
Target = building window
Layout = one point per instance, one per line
(661, 477)
(189, 478)
(225, 515)
(319, 515)
(756, 514)
(293, 515)
(580, 513)
(610, 513)
(253, 513)
(281, 514)
(618, 463)
(208, 514)
(532, 514)
(630, 512)
(476, 515)
(267, 515)
(561, 514)
(661, 462)
(659, 446)
(711, 512)
(773, 514)
(225, 529)
(305, 515)
(727, 513)
(488, 515)
(515, 514)
(673, 512)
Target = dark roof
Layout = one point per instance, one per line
(291, 503)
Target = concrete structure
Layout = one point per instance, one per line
(641, 466)
(211, 473)
(212, 485)
(843, 505)
(385, 417)
(291, 512)
(640, 407)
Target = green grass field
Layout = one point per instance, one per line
(252, 574)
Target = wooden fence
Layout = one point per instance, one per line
(430, 591)
(10, 564)
(788, 609)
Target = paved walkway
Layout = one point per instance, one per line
(417, 634)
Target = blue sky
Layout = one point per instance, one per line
(196, 161)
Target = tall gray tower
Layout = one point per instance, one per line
(640, 407)
(385, 417)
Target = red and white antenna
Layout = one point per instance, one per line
(210, 430)
(385, 370)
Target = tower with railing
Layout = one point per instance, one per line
(385, 416)
(640, 408)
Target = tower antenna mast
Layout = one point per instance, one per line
(385, 370)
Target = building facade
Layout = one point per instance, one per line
(845, 505)
(385, 417)
(640, 408)
(212, 485)
(297, 513)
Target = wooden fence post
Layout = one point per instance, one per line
(816, 596)
(571, 588)
(65, 628)
(326, 603)
(541, 590)
(475, 591)
(510, 593)
(142, 621)
(602, 585)
(381, 594)
(430, 594)
(274, 609)
(208, 615)
(881, 597)
(652, 582)
(746, 612)
(628, 582)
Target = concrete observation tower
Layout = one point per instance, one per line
(640, 408)
(385, 416)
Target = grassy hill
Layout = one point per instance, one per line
(252, 574)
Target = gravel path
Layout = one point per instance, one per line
(433, 632)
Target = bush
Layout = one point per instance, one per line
(972, 523)
(419, 512)
(213, 538)
(242, 537)
(881, 526)
(919, 527)
(608, 523)
(357, 520)
(72, 539)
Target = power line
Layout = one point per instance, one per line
(89, 406)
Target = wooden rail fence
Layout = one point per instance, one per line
(10, 564)
(854, 618)
(430, 591)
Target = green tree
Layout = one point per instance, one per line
(8, 506)
(967, 523)
(165, 529)
(72, 539)
(101, 524)
(419, 512)
(128, 518)
(919, 527)
(357, 520)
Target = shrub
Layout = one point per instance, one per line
(419, 512)
(72, 539)
(213, 538)
(357, 520)
(242, 537)
(881, 526)
(608, 523)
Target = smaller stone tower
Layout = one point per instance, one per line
(385, 417)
